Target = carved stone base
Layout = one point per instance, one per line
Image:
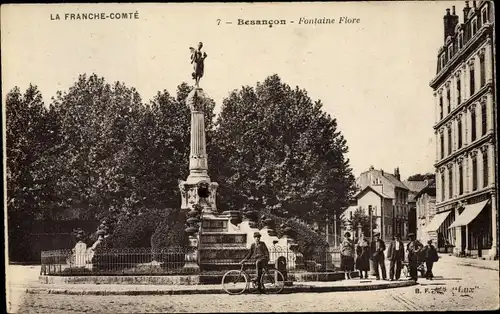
(190, 195)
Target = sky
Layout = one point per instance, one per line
(372, 76)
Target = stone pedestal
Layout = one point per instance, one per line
(191, 257)
(197, 189)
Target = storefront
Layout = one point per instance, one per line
(473, 228)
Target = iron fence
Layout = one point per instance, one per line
(105, 261)
(171, 261)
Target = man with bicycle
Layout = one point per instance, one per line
(258, 251)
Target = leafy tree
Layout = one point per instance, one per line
(360, 217)
(28, 137)
(277, 150)
(96, 120)
(422, 177)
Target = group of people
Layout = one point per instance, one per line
(359, 254)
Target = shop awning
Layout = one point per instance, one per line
(470, 212)
(437, 221)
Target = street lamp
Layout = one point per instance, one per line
(371, 226)
(335, 230)
(327, 230)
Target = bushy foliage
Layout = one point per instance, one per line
(155, 228)
(307, 240)
(422, 177)
(360, 217)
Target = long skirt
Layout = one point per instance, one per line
(346, 263)
(363, 262)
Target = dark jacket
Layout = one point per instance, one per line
(394, 255)
(259, 251)
(377, 254)
(414, 249)
(430, 253)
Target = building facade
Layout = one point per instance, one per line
(466, 151)
(425, 201)
(372, 201)
(391, 186)
(414, 188)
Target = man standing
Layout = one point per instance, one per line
(413, 248)
(396, 254)
(378, 258)
(259, 251)
(431, 256)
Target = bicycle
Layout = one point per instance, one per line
(420, 269)
(238, 281)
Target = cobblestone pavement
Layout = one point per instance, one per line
(455, 288)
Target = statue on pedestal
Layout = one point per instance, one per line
(198, 62)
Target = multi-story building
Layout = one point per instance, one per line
(466, 151)
(396, 217)
(375, 203)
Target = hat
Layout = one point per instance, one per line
(397, 235)
(347, 234)
(256, 235)
(429, 242)
(376, 234)
(411, 235)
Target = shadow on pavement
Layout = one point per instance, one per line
(445, 278)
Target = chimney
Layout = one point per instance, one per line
(450, 22)
(396, 173)
(466, 11)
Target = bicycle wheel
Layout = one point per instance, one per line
(272, 281)
(234, 282)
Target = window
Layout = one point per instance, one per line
(471, 78)
(440, 107)
(473, 124)
(442, 187)
(474, 173)
(459, 130)
(485, 15)
(448, 99)
(450, 183)
(460, 40)
(442, 145)
(460, 178)
(485, 168)
(474, 27)
(459, 91)
(449, 141)
(483, 118)
(450, 52)
(482, 70)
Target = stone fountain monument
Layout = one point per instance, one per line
(215, 239)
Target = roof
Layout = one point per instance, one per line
(388, 181)
(430, 189)
(415, 186)
(383, 195)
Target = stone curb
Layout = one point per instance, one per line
(292, 289)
